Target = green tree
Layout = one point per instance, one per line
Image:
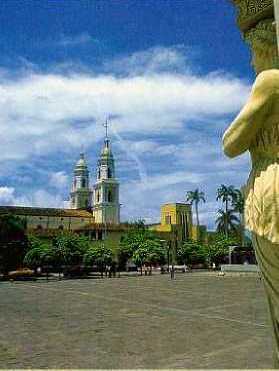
(157, 252)
(227, 222)
(238, 204)
(13, 242)
(226, 194)
(69, 248)
(191, 252)
(149, 253)
(38, 254)
(195, 197)
(136, 235)
(218, 249)
(98, 254)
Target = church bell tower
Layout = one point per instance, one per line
(106, 207)
(81, 194)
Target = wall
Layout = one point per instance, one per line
(54, 222)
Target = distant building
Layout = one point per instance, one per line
(105, 202)
(81, 194)
(103, 198)
(49, 219)
(176, 225)
(175, 218)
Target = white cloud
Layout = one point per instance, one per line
(59, 180)
(38, 198)
(161, 114)
(74, 40)
(7, 195)
(156, 59)
(45, 110)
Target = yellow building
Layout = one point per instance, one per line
(199, 233)
(176, 223)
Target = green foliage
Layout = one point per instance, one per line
(13, 242)
(39, 255)
(227, 221)
(69, 248)
(12, 228)
(141, 245)
(34, 241)
(191, 252)
(226, 193)
(218, 249)
(195, 197)
(238, 202)
(150, 252)
(140, 255)
(136, 236)
(65, 249)
(100, 255)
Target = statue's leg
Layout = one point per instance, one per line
(267, 255)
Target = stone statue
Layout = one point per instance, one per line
(256, 129)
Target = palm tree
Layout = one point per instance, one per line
(195, 197)
(226, 195)
(227, 221)
(238, 206)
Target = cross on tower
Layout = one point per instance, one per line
(106, 126)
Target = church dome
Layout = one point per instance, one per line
(106, 151)
(81, 164)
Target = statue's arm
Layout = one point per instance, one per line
(240, 133)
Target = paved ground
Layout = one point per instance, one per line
(196, 321)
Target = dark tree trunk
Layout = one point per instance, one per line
(226, 219)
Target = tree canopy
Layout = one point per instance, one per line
(69, 248)
(39, 253)
(13, 242)
(218, 249)
(100, 255)
(191, 252)
(195, 197)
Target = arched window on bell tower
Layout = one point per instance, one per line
(109, 172)
(110, 196)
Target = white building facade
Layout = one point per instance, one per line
(81, 194)
(103, 198)
(106, 207)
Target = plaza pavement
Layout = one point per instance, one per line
(198, 320)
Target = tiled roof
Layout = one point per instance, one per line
(20, 210)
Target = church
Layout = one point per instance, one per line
(103, 198)
(94, 211)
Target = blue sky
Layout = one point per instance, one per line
(170, 74)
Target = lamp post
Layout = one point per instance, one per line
(174, 246)
(168, 258)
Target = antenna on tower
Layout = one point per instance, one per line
(106, 125)
(82, 150)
